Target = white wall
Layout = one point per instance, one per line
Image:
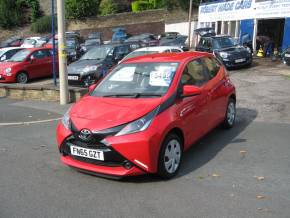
(182, 28)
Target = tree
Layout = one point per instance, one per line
(78, 9)
(108, 7)
(9, 13)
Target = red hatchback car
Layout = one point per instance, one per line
(27, 64)
(145, 113)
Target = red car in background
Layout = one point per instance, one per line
(27, 64)
(145, 113)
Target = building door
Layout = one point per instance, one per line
(246, 30)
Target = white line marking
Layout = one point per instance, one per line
(29, 122)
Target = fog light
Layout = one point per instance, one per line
(127, 165)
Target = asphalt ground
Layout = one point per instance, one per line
(242, 172)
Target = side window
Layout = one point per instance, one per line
(194, 74)
(175, 50)
(212, 65)
(202, 42)
(167, 51)
(39, 54)
(208, 44)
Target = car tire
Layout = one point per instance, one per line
(230, 116)
(22, 78)
(169, 160)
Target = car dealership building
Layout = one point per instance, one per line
(253, 18)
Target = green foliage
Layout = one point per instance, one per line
(43, 25)
(142, 5)
(108, 7)
(9, 13)
(35, 8)
(78, 9)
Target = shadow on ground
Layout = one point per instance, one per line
(207, 148)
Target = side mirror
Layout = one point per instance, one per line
(92, 87)
(189, 90)
(31, 59)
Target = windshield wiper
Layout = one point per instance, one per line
(133, 95)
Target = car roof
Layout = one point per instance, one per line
(167, 57)
(9, 48)
(158, 48)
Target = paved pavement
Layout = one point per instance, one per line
(243, 172)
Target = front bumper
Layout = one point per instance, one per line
(83, 80)
(127, 155)
(232, 62)
(7, 79)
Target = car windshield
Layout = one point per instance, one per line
(137, 80)
(20, 56)
(139, 53)
(91, 42)
(70, 44)
(2, 52)
(97, 53)
(224, 42)
(29, 41)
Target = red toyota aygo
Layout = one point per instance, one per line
(145, 113)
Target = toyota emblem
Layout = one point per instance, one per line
(85, 134)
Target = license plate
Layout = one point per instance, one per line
(287, 55)
(240, 60)
(87, 153)
(73, 78)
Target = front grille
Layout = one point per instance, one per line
(111, 157)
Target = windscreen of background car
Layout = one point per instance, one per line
(92, 42)
(97, 53)
(20, 56)
(139, 53)
(29, 42)
(141, 78)
(223, 42)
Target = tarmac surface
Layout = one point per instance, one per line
(243, 172)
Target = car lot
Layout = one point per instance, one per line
(243, 172)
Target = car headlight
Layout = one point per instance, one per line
(8, 70)
(139, 125)
(224, 55)
(90, 68)
(249, 50)
(66, 120)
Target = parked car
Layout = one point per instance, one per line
(34, 42)
(89, 43)
(145, 113)
(12, 42)
(175, 40)
(94, 64)
(286, 56)
(169, 34)
(27, 64)
(7, 53)
(95, 35)
(119, 34)
(73, 50)
(227, 50)
(152, 50)
(49, 43)
(147, 39)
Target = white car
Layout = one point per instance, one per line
(34, 42)
(7, 53)
(152, 50)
